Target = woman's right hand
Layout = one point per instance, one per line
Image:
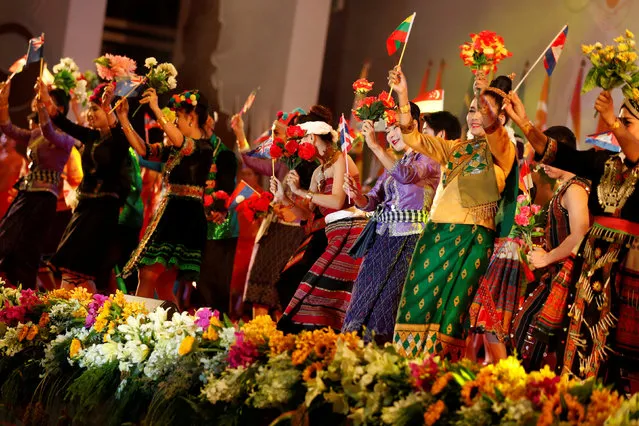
(237, 124)
(515, 109)
(397, 80)
(368, 130)
(150, 97)
(122, 110)
(277, 189)
(352, 190)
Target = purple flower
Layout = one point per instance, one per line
(94, 307)
(242, 353)
(204, 316)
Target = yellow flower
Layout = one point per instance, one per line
(80, 313)
(441, 383)
(80, 294)
(260, 329)
(186, 346)
(610, 56)
(210, 334)
(587, 49)
(602, 404)
(281, 343)
(434, 412)
(635, 94)
(75, 348)
(619, 39)
(598, 45)
(216, 322)
(629, 34)
(100, 324)
(622, 47)
(310, 372)
(632, 56)
(33, 332)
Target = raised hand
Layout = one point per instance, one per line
(122, 110)
(107, 96)
(368, 130)
(5, 88)
(397, 80)
(352, 190)
(293, 181)
(277, 189)
(237, 123)
(515, 109)
(151, 98)
(605, 106)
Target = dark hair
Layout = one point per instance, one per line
(503, 83)
(305, 171)
(415, 112)
(318, 113)
(201, 110)
(61, 99)
(444, 120)
(562, 134)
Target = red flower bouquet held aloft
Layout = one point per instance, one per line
(371, 107)
(483, 52)
(293, 151)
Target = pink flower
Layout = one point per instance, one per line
(242, 353)
(522, 220)
(204, 316)
(111, 66)
(94, 306)
(521, 199)
(525, 210)
(536, 208)
(425, 373)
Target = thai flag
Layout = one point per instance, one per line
(241, 193)
(35, 52)
(129, 86)
(551, 56)
(345, 135)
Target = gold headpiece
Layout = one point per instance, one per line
(496, 91)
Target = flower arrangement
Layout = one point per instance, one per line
(613, 66)
(155, 368)
(371, 107)
(528, 217)
(484, 52)
(215, 201)
(85, 84)
(161, 77)
(293, 151)
(110, 67)
(256, 206)
(65, 75)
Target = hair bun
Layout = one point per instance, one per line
(503, 83)
(321, 113)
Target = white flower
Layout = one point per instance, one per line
(66, 64)
(227, 337)
(150, 62)
(172, 82)
(168, 69)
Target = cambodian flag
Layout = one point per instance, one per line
(241, 193)
(551, 56)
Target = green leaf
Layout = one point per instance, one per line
(627, 91)
(591, 81)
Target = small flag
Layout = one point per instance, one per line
(241, 193)
(18, 65)
(554, 51)
(345, 135)
(263, 150)
(400, 35)
(150, 123)
(35, 52)
(525, 177)
(432, 101)
(605, 140)
(129, 86)
(249, 102)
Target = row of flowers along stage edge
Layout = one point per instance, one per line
(70, 357)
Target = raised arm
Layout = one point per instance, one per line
(136, 142)
(627, 141)
(20, 136)
(176, 138)
(59, 139)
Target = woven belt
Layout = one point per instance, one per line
(189, 191)
(40, 181)
(413, 216)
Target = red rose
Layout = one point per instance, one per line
(295, 132)
(261, 204)
(306, 151)
(276, 151)
(208, 200)
(221, 195)
(291, 146)
(367, 101)
(267, 195)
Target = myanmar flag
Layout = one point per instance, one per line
(400, 35)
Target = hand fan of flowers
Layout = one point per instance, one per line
(371, 107)
(613, 66)
(293, 151)
(483, 52)
(255, 206)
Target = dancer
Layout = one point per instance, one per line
(453, 251)
(174, 240)
(24, 227)
(323, 294)
(401, 199)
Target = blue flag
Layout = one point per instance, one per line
(129, 86)
(35, 51)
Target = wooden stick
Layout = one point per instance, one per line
(273, 165)
(117, 104)
(346, 160)
(401, 56)
(543, 53)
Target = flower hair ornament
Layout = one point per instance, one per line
(286, 118)
(182, 100)
(319, 128)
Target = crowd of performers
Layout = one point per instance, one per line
(425, 259)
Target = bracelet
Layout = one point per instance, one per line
(309, 195)
(404, 109)
(616, 124)
(527, 127)
(163, 121)
(128, 126)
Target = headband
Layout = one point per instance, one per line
(319, 128)
(632, 106)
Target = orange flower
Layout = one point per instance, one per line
(75, 348)
(310, 372)
(33, 332)
(186, 346)
(44, 320)
(434, 412)
(603, 403)
(281, 342)
(441, 383)
(22, 334)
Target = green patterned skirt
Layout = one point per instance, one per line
(443, 277)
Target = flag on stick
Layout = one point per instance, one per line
(249, 101)
(241, 193)
(400, 35)
(345, 135)
(554, 51)
(18, 66)
(129, 86)
(35, 51)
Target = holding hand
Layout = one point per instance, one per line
(122, 110)
(368, 130)
(397, 80)
(538, 258)
(107, 97)
(277, 190)
(515, 109)
(151, 98)
(293, 181)
(481, 82)
(352, 190)
(604, 106)
(237, 124)
(217, 217)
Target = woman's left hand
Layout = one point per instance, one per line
(107, 96)
(150, 97)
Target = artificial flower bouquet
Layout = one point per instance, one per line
(371, 107)
(484, 52)
(293, 151)
(112, 67)
(256, 206)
